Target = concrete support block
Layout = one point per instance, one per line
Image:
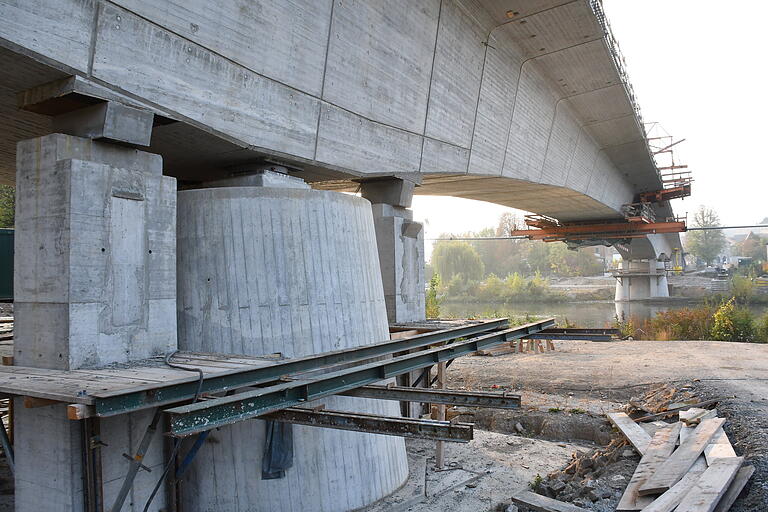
(394, 191)
(400, 242)
(95, 267)
(262, 176)
(110, 121)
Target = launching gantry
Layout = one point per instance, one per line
(639, 219)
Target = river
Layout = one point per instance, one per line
(594, 314)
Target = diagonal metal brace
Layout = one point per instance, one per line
(136, 461)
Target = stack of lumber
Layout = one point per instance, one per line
(688, 466)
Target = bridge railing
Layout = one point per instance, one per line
(618, 58)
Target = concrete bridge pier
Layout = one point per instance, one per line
(642, 274)
(95, 284)
(400, 242)
(641, 279)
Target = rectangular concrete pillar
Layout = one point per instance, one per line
(95, 284)
(95, 245)
(400, 242)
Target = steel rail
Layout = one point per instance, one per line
(376, 424)
(121, 402)
(438, 396)
(209, 414)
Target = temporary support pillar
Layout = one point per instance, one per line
(400, 242)
(95, 284)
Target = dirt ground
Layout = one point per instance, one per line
(565, 393)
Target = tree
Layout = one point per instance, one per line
(453, 258)
(707, 244)
(7, 205)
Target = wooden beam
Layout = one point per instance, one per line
(631, 430)
(711, 486)
(31, 402)
(440, 445)
(676, 466)
(542, 503)
(737, 485)
(661, 447)
(80, 411)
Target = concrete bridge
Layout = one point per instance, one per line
(523, 103)
(520, 103)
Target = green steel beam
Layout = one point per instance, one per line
(124, 402)
(375, 424)
(438, 396)
(201, 416)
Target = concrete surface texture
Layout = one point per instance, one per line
(95, 284)
(400, 242)
(522, 104)
(295, 271)
(95, 266)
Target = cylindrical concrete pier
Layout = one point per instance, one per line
(296, 271)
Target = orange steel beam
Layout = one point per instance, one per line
(600, 231)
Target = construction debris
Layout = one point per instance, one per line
(686, 466)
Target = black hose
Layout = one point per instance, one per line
(176, 442)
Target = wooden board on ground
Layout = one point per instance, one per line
(711, 486)
(670, 499)
(542, 503)
(737, 485)
(661, 447)
(676, 466)
(631, 430)
(719, 447)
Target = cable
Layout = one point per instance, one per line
(176, 442)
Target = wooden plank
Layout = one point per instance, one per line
(661, 447)
(542, 503)
(711, 486)
(631, 430)
(676, 466)
(670, 499)
(737, 485)
(31, 402)
(7, 360)
(719, 447)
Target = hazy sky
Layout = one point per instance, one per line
(701, 70)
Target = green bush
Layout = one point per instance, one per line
(732, 324)
(432, 303)
(743, 289)
(761, 329)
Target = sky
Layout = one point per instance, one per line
(700, 69)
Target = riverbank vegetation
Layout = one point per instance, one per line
(726, 321)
